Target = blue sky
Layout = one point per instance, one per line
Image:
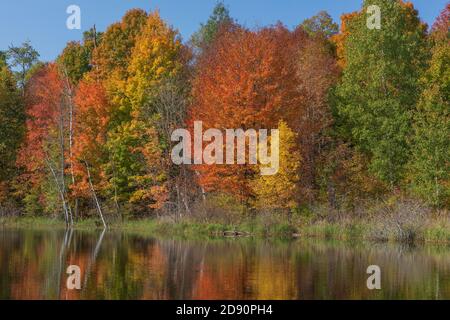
(43, 22)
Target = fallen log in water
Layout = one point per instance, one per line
(236, 234)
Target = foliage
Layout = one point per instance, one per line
(361, 112)
(245, 81)
(317, 73)
(429, 167)
(40, 149)
(379, 87)
(208, 31)
(156, 56)
(12, 120)
(90, 129)
(136, 166)
(76, 59)
(322, 23)
(281, 190)
(23, 57)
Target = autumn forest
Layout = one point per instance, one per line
(363, 116)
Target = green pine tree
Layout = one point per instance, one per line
(207, 33)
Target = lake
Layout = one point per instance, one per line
(118, 265)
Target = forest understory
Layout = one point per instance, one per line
(394, 220)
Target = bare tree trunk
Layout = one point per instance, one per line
(116, 202)
(185, 199)
(177, 188)
(331, 195)
(71, 143)
(94, 194)
(61, 193)
(95, 36)
(63, 162)
(186, 206)
(71, 133)
(202, 189)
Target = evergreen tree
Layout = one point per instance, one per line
(208, 31)
(23, 58)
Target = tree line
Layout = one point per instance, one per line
(362, 114)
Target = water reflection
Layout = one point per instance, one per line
(123, 266)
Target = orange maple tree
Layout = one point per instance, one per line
(44, 94)
(244, 80)
(90, 131)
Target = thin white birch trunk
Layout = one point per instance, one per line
(63, 199)
(94, 194)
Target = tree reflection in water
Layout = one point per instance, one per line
(118, 265)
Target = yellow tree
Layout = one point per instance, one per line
(111, 56)
(156, 56)
(137, 165)
(111, 59)
(280, 191)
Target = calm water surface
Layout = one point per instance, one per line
(123, 266)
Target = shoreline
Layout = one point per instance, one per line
(322, 230)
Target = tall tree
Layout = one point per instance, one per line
(12, 123)
(247, 80)
(170, 102)
(110, 60)
(91, 127)
(23, 58)
(429, 168)
(89, 152)
(136, 166)
(380, 86)
(74, 62)
(317, 73)
(44, 152)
